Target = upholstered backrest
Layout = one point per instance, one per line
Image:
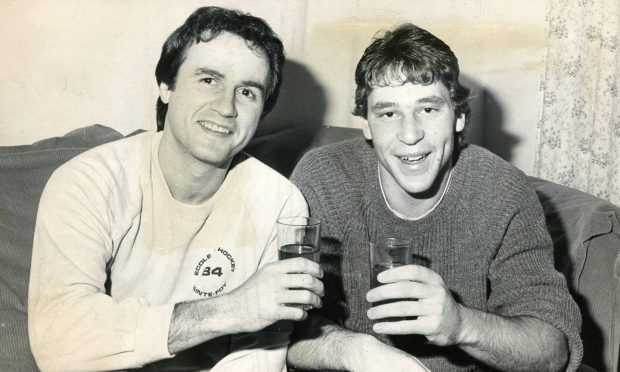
(24, 170)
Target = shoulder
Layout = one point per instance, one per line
(113, 155)
(484, 165)
(101, 170)
(339, 163)
(258, 180)
(261, 193)
(248, 167)
(339, 152)
(490, 177)
(335, 178)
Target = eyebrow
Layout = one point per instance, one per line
(382, 105)
(251, 83)
(208, 71)
(432, 99)
(436, 100)
(245, 83)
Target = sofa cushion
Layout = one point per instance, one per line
(586, 237)
(24, 171)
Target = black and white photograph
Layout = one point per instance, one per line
(310, 185)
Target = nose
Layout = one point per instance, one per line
(224, 103)
(410, 131)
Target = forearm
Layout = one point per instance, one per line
(195, 322)
(512, 344)
(326, 346)
(318, 344)
(244, 351)
(252, 307)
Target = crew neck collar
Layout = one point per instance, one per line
(402, 216)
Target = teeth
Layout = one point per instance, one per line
(213, 127)
(409, 158)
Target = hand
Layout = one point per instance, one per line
(261, 300)
(421, 293)
(377, 356)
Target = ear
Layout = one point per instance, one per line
(164, 93)
(460, 123)
(366, 130)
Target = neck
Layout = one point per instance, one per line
(415, 206)
(190, 180)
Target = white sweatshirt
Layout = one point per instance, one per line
(109, 215)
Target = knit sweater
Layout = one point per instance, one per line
(487, 239)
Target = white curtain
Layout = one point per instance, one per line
(579, 132)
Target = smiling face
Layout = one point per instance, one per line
(216, 102)
(412, 127)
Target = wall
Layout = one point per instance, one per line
(71, 63)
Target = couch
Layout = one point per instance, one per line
(585, 232)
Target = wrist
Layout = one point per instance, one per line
(213, 315)
(219, 315)
(194, 322)
(468, 327)
(359, 347)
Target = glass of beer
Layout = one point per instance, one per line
(299, 237)
(387, 253)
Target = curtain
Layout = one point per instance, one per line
(579, 130)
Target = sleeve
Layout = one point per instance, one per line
(73, 324)
(293, 206)
(266, 350)
(523, 280)
(307, 176)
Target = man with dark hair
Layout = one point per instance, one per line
(484, 294)
(203, 26)
(161, 247)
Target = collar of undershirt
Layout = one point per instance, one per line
(400, 215)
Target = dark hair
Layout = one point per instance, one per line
(207, 23)
(409, 54)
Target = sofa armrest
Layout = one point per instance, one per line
(615, 358)
(586, 238)
(599, 300)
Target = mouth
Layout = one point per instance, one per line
(213, 127)
(412, 159)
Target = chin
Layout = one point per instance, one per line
(423, 187)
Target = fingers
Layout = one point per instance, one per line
(305, 281)
(399, 290)
(418, 326)
(301, 297)
(400, 309)
(296, 289)
(412, 273)
(299, 265)
(292, 313)
(293, 284)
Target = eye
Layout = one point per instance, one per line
(387, 115)
(208, 80)
(248, 94)
(428, 111)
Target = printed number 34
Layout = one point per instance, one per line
(209, 271)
